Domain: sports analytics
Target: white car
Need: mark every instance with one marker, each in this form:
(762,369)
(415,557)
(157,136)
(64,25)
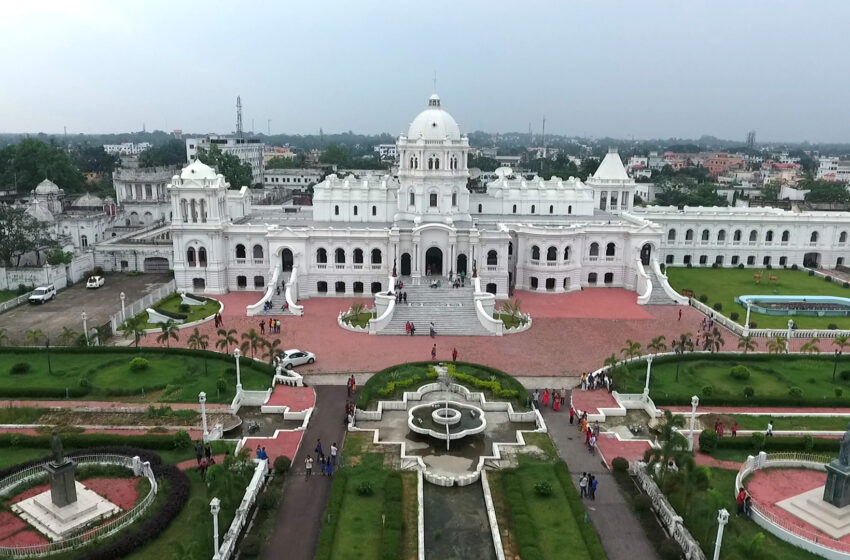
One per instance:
(290,358)
(42,294)
(95,282)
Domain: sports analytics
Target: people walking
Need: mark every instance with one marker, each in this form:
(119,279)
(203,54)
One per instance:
(582,485)
(594,482)
(535,400)
(572,414)
(263,327)
(434,352)
(334,451)
(308,466)
(454,354)
(319,453)
(769,429)
(199,452)
(680,314)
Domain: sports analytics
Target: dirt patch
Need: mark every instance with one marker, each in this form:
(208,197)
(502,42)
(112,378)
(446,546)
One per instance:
(709,421)
(71,419)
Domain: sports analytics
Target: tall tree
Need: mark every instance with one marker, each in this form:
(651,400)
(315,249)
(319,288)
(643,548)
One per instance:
(134,327)
(26,164)
(20,233)
(168,331)
(198,341)
(252,341)
(172,152)
(235,171)
(657,345)
(226,338)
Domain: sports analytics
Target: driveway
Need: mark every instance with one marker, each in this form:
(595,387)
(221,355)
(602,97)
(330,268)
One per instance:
(65,309)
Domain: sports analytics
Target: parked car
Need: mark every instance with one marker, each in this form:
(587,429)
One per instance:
(290,358)
(42,294)
(95,282)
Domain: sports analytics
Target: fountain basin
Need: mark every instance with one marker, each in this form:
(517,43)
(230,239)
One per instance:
(444,420)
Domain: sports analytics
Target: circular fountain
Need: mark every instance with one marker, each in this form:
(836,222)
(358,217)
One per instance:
(446,420)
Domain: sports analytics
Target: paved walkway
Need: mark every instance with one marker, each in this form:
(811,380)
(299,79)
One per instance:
(758,410)
(301,515)
(297,399)
(619,530)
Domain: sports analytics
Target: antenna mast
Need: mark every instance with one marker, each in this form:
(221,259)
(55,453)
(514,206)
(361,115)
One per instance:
(238,116)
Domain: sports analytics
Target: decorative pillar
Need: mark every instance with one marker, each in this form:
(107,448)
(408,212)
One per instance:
(85,319)
(747,322)
(236,354)
(722,520)
(694,404)
(788,337)
(123,296)
(215,506)
(648,370)
(202,398)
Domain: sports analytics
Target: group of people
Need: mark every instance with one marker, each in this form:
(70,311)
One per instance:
(203,453)
(274,326)
(269,306)
(587,484)
(261,454)
(401,297)
(349,413)
(351,385)
(326,462)
(720,429)
(218,320)
(600,380)
(409,328)
(745,503)
(556,399)
(591,433)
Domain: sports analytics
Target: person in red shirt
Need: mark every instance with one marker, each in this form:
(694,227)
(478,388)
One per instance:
(735,429)
(742,495)
(454,354)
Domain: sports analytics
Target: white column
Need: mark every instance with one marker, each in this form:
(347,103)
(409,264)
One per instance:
(722,520)
(747,322)
(123,311)
(202,398)
(215,506)
(648,370)
(788,337)
(694,404)
(236,354)
(85,318)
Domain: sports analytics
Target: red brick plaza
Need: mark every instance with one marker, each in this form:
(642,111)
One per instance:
(571,333)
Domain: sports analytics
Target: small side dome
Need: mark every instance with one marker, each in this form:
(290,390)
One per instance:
(47,187)
(88,200)
(197,171)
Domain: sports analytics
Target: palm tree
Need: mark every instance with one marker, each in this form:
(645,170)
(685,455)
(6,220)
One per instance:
(356,310)
(631,350)
(685,343)
(511,308)
(657,345)
(746,343)
(611,361)
(69,336)
(692,479)
(842,341)
(714,341)
(252,341)
(34,335)
(672,445)
(776,345)
(103,333)
(4,338)
(227,338)
(135,327)
(168,331)
(198,341)
(270,349)
(811,347)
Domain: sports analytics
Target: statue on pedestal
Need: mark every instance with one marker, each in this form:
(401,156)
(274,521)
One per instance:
(475,268)
(844,452)
(57,448)
(837,489)
(394,269)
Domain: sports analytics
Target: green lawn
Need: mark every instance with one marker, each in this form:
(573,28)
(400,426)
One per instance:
(172,376)
(6,295)
(723,285)
(739,537)
(805,423)
(545,526)
(171,303)
(14,455)
(771,377)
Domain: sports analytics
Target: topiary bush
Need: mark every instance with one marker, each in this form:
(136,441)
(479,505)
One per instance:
(181,439)
(808,442)
(749,392)
(282,464)
(139,364)
(703,298)
(543,488)
(707,391)
(845,285)
(365,488)
(839,391)
(619,464)
(741,266)
(740,372)
(844,375)
(690,265)
(794,266)
(832,327)
(183,307)
(708,441)
(753,325)
(811,273)
(795,392)
(828,278)
(734,315)
(718,306)
(21,368)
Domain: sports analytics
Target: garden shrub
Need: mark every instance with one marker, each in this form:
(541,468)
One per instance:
(749,392)
(718,306)
(221,385)
(828,446)
(839,391)
(703,298)
(670,549)
(741,266)
(844,375)
(83,383)
(707,391)
(282,464)
(795,392)
(139,364)
(690,265)
(708,441)
(734,315)
(757,440)
(770,267)
(832,327)
(20,368)
(619,464)
(183,307)
(181,439)
(845,285)
(808,442)
(642,503)
(365,488)
(811,273)
(753,325)
(794,266)
(828,278)
(740,372)
(715,265)
(543,488)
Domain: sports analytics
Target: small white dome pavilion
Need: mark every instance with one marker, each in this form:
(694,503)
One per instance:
(434,123)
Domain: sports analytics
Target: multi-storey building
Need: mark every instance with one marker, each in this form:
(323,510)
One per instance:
(142,194)
(248,150)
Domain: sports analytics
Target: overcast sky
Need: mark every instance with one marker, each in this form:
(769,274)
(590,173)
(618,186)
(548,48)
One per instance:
(646,69)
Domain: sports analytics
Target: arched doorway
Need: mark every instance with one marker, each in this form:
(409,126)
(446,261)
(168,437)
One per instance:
(434,261)
(405,264)
(645,254)
(287,260)
(811,260)
(461,263)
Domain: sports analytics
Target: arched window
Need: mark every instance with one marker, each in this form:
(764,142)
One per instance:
(609,278)
(754,235)
(430,163)
(339,287)
(552,254)
(551,209)
(202,257)
(721,235)
(454,199)
(190,256)
(411,163)
(339,256)
(705,234)
(842,237)
(689,235)
(492,258)
(358,256)
(355,210)
(336,210)
(374,210)
(671,235)
(768,237)
(259,281)
(570,209)
(591,278)
(322,256)
(510,248)
(532,209)
(411,200)
(737,235)
(194,208)
(812,239)
(358,287)
(258,252)
(610,250)
(376,256)
(321,287)
(480,208)
(566,253)
(184,209)
(240,251)
(514,210)
(594,249)
(535,253)
(432,200)
(84,241)
(436,163)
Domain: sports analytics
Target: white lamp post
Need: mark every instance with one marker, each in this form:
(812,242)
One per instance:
(648,370)
(694,404)
(788,337)
(236,354)
(215,506)
(202,398)
(747,322)
(123,312)
(722,520)
(85,326)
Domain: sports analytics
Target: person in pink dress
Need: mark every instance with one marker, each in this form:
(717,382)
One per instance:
(545,397)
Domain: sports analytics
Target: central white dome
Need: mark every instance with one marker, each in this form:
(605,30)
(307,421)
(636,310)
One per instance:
(198,171)
(433,123)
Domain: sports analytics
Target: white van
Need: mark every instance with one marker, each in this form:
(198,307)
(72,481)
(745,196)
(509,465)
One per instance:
(42,294)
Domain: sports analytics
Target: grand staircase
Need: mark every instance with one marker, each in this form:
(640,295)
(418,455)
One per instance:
(451,309)
(658,296)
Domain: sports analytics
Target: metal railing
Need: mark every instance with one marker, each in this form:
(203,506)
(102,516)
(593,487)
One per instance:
(9,304)
(136,307)
(242,515)
(108,528)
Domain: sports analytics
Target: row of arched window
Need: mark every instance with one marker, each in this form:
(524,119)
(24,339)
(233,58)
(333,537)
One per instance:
(356,210)
(257,252)
(432,200)
(196,257)
(552,252)
(533,209)
(434,162)
(339,287)
(737,236)
(340,256)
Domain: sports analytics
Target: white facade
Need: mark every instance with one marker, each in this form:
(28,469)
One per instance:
(291,178)
(248,150)
(142,194)
(833,169)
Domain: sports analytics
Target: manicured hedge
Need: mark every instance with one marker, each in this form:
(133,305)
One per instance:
(87,441)
(331,517)
(525,532)
(828,446)
(754,401)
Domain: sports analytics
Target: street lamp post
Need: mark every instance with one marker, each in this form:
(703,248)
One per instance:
(85,319)
(694,405)
(788,337)
(47,349)
(722,520)
(236,354)
(202,398)
(747,322)
(123,296)
(215,506)
(835,364)
(648,370)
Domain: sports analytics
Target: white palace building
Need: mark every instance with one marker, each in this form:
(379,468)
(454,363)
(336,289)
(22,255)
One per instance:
(559,235)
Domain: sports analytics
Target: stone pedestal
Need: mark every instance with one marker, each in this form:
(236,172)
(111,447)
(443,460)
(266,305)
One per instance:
(62,522)
(63,490)
(837,489)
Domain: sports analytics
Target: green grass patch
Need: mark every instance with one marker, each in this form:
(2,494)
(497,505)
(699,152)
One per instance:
(803,423)
(20,415)
(173,375)
(542,441)
(723,285)
(359,320)
(6,295)
(172,304)
(772,378)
